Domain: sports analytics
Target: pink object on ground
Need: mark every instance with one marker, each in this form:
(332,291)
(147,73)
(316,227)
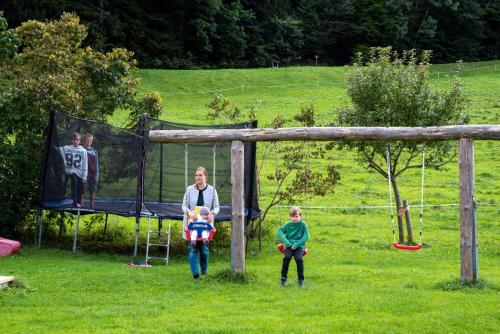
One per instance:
(9,247)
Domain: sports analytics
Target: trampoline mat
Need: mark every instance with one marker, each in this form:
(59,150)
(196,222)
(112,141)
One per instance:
(173,210)
(127,208)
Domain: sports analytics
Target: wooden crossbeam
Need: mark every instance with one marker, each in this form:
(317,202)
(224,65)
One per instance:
(433,133)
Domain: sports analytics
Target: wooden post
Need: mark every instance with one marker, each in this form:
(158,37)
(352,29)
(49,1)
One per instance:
(237,205)
(409,229)
(468,271)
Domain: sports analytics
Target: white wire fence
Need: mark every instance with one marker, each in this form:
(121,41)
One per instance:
(377,207)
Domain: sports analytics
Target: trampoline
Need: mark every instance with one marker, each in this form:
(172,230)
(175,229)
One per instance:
(134,177)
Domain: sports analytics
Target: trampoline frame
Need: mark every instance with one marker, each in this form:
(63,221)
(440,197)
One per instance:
(141,206)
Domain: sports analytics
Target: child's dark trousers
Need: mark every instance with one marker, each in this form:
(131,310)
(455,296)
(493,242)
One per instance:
(297,255)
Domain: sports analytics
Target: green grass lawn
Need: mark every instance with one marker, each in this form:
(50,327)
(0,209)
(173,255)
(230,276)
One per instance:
(355,282)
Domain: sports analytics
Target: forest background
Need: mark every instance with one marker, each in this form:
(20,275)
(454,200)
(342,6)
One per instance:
(249,33)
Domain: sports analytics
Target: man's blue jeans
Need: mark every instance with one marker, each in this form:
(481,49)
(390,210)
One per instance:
(198,252)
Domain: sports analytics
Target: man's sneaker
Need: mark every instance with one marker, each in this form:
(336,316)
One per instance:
(301,283)
(283,281)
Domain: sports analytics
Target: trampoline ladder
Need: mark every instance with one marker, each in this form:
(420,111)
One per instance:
(161,242)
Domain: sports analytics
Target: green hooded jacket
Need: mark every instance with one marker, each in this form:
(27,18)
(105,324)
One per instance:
(294,234)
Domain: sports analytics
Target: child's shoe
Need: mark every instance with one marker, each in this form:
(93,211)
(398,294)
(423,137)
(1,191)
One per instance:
(301,283)
(283,281)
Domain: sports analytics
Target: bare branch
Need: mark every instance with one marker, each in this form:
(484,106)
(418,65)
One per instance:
(373,164)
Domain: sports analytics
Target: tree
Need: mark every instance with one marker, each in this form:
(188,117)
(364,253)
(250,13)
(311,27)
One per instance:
(295,179)
(380,23)
(8,40)
(8,45)
(53,71)
(390,89)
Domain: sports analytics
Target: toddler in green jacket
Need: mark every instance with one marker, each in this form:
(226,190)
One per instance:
(293,235)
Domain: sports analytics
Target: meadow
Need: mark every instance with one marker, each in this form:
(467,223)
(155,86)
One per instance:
(355,281)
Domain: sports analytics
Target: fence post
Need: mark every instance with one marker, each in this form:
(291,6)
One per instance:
(468,267)
(237,205)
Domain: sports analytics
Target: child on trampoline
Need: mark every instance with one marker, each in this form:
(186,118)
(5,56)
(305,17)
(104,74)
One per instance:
(293,235)
(93,168)
(199,226)
(75,166)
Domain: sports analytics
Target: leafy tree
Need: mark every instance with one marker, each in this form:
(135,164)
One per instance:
(380,23)
(53,71)
(8,46)
(460,30)
(315,29)
(296,180)
(150,105)
(390,89)
(8,40)
(197,33)
(492,21)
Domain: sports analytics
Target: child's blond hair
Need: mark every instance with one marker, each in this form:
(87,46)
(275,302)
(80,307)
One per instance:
(295,210)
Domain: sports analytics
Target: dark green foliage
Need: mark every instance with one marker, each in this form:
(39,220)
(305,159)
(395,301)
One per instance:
(227,275)
(389,89)
(8,40)
(458,285)
(250,33)
(53,71)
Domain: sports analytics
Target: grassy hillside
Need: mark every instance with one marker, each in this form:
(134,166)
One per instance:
(355,282)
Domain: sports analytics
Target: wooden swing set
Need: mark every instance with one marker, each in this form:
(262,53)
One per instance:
(465,134)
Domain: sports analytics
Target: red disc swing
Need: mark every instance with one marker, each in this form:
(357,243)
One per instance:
(281,248)
(403,210)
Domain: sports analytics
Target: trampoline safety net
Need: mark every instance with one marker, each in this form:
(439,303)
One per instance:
(96,167)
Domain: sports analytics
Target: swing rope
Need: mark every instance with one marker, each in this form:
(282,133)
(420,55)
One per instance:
(422,196)
(308,173)
(186,151)
(281,247)
(186,162)
(390,192)
(214,150)
(276,171)
(403,210)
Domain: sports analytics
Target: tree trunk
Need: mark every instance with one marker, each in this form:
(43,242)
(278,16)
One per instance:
(409,228)
(398,207)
